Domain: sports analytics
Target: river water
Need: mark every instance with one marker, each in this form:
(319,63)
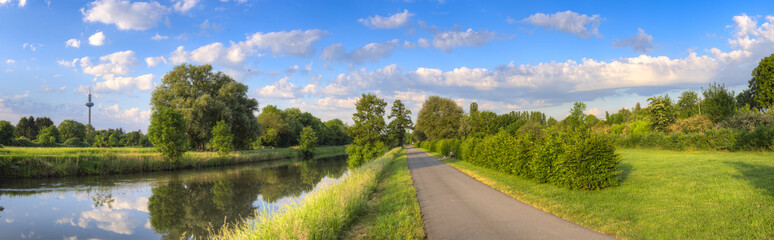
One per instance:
(163,205)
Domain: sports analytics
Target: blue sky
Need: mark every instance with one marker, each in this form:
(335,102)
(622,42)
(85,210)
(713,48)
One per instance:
(320,55)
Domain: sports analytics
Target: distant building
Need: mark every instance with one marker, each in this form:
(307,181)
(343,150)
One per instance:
(89,104)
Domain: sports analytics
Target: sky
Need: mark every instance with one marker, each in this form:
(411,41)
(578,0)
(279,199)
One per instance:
(320,56)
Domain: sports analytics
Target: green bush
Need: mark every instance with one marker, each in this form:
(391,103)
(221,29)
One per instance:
(695,124)
(358,155)
(24,142)
(468,148)
(75,142)
(639,127)
(748,120)
(762,138)
(545,155)
(617,129)
(588,162)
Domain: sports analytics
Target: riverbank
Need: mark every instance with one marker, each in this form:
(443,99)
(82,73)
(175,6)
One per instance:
(57,162)
(326,213)
(661,195)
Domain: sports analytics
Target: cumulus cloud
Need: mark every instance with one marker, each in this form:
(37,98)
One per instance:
(98,39)
(66,63)
(749,44)
(280,89)
(184,5)
(568,21)
(395,21)
(641,43)
(448,40)
(124,14)
(370,52)
(130,115)
(158,37)
(124,84)
(73,43)
(117,63)
(153,61)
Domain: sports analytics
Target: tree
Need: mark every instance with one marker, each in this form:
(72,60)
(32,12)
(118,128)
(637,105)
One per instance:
(205,97)
(48,135)
(307,141)
(222,138)
(43,122)
(91,133)
(167,132)
(688,104)
(6,133)
(72,129)
(367,137)
(577,115)
(439,118)
(400,124)
(280,128)
(718,103)
(337,132)
(26,128)
(762,82)
(662,113)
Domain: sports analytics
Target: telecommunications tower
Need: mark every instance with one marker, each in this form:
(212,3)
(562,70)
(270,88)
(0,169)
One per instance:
(89,104)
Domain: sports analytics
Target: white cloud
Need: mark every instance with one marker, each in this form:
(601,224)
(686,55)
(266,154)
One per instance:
(567,21)
(98,39)
(124,84)
(10,61)
(124,14)
(447,40)
(395,21)
(66,63)
(153,61)
(31,46)
(309,89)
(641,43)
(158,37)
(423,43)
(294,43)
(73,43)
(184,5)
(280,89)
(370,52)
(22,3)
(117,63)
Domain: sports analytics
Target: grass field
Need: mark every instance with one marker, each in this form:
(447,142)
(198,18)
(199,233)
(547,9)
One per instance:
(47,162)
(662,195)
(325,213)
(393,211)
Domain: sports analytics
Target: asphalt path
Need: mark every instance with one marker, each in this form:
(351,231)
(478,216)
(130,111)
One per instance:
(456,206)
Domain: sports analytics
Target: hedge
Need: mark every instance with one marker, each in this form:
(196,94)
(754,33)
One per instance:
(722,139)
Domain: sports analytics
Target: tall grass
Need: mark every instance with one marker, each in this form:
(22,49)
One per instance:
(325,213)
(48,162)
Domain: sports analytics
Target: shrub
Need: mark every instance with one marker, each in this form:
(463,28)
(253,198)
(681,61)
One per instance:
(359,154)
(762,138)
(307,141)
(639,127)
(542,162)
(617,129)
(747,120)
(24,142)
(695,124)
(588,162)
(222,138)
(74,142)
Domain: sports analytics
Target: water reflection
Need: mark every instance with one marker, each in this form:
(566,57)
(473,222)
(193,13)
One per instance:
(162,205)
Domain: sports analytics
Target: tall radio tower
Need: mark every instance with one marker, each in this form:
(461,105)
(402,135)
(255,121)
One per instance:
(89,104)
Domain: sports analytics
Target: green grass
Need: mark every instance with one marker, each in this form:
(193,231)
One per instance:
(661,195)
(47,162)
(325,213)
(393,211)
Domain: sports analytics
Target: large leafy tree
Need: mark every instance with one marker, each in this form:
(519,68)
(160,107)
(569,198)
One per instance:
(72,129)
(439,118)
(662,113)
(718,103)
(307,141)
(400,124)
(688,104)
(337,132)
(762,82)
(6,132)
(26,128)
(280,128)
(167,133)
(367,136)
(206,97)
(48,135)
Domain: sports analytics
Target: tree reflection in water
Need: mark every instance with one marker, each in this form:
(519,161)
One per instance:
(187,206)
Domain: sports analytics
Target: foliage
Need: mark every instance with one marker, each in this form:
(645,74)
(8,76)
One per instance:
(662,113)
(639,127)
(688,104)
(222,138)
(308,141)
(577,115)
(26,128)
(205,97)
(748,120)
(400,124)
(167,132)
(762,82)
(7,132)
(439,118)
(72,129)
(48,136)
(718,103)
(694,124)
(367,137)
(74,142)
(280,128)
(588,162)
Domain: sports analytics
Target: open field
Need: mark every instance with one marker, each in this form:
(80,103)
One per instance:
(661,195)
(325,213)
(46,162)
(393,211)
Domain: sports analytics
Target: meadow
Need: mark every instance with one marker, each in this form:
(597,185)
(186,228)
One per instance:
(661,195)
(50,162)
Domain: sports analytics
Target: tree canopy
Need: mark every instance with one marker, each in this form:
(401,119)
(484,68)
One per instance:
(167,132)
(367,132)
(439,118)
(762,82)
(400,124)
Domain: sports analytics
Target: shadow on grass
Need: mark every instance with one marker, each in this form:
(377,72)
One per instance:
(760,176)
(625,169)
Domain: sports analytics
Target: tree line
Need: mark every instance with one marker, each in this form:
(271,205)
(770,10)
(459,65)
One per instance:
(41,132)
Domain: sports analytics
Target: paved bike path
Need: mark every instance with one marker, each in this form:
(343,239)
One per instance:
(456,206)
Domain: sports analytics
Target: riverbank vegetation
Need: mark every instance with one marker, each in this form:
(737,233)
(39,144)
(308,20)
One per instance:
(50,162)
(662,195)
(326,213)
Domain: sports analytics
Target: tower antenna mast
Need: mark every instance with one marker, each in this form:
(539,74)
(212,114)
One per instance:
(89,104)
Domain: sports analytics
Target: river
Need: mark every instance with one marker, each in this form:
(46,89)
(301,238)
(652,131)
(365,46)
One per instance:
(161,205)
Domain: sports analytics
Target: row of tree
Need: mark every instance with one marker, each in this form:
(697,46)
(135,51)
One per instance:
(31,131)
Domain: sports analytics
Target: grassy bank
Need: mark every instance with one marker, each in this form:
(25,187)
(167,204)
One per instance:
(48,162)
(393,211)
(325,213)
(661,195)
